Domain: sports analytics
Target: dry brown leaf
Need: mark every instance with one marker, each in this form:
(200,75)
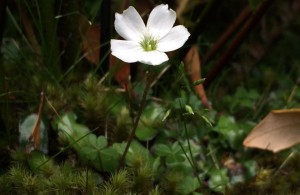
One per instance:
(29,30)
(279,130)
(120,69)
(193,68)
(90,35)
(35,137)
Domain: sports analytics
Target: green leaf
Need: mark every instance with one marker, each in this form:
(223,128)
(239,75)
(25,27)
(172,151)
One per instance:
(174,153)
(92,151)
(198,82)
(145,133)
(25,129)
(73,132)
(166,114)
(156,164)
(176,148)
(163,150)
(88,153)
(119,147)
(230,131)
(92,140)
(101,142)
(206,120)
(175,158)
(110,159)
(189,185)
(218,179)
(137,149)
(150,121)
(36,159)
(189,109)
(242,98)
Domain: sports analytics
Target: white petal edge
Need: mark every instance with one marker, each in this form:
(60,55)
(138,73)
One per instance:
(160,21)
(127,51)
(174,39)
(130,25)
(153,57)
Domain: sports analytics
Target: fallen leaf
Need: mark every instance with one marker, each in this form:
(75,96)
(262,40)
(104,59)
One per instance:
(34,140)
(90,35)
(120,70)
(193,69)
(29,31)
(279,130)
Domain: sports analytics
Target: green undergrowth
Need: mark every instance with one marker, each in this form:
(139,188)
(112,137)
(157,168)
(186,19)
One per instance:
(37,174)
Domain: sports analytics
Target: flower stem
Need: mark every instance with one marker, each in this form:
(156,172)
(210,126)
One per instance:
(192,161)
(136,122)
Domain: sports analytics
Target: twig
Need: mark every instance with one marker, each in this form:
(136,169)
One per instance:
(160,75)
(35,137)
(228,33)
(261,10)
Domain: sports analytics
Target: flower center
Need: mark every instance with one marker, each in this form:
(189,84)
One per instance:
(149,44)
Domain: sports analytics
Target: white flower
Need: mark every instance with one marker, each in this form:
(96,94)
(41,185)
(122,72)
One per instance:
(147,44)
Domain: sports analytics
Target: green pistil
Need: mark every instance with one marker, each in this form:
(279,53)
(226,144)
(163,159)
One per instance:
(149,44)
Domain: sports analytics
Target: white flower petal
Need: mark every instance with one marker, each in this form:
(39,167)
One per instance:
(153,57)
(130,25)
(174,39)
(130,52)
(160,21)
(126,51)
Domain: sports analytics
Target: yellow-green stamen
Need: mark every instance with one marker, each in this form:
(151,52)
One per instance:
(149,44)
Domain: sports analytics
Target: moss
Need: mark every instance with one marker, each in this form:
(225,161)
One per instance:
(121,180)
(171,182)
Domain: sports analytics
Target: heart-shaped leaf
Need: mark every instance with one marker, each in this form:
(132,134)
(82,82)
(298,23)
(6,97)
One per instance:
(88,153)
(174,153)
(73,132)
(101,142)
(148,127)
(109,159)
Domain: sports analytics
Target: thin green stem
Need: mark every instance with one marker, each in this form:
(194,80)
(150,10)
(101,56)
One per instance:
(136,122)
(213,156)
(192,160)
(186,155)
(285,162)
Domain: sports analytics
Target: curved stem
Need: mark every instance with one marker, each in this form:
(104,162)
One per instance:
(136,122)
(192,161)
